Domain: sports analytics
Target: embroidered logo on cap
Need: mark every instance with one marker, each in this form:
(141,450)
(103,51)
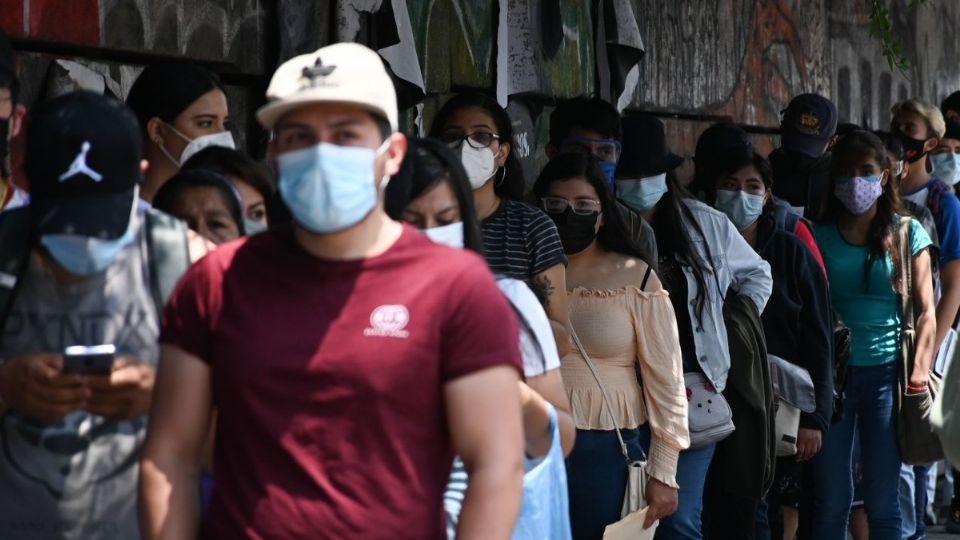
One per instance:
(79,166)
(389,321)
(317,74)
(809,123)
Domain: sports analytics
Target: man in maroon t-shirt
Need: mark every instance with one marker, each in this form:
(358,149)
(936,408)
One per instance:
(348,357)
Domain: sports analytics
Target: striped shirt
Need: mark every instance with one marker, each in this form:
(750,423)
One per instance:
(520,241)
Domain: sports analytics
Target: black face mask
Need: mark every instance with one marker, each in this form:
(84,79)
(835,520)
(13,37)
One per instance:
(577,231)
(912,148)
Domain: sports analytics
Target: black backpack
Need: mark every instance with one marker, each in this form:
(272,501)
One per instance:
(167,248)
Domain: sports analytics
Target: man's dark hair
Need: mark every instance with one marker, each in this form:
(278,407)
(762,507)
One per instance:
(593,114)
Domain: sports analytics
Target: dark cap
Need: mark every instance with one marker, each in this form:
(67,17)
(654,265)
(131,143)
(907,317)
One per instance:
(8,62)
(808,124)
(645,147)
(719,140)
(83,164)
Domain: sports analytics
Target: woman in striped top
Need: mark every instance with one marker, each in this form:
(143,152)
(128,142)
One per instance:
(519,240)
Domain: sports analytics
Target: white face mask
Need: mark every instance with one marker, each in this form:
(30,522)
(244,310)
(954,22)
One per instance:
(223,139)
(480,163)
(448,235)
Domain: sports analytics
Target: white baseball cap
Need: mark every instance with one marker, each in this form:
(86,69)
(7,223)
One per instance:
(340,73)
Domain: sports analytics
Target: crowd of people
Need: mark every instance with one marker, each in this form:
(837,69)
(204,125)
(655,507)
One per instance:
(376,335)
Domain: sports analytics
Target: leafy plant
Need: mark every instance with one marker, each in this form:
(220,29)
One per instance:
(881,28)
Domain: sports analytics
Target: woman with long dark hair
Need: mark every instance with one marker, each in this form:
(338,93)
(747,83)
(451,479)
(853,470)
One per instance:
(519,240)
(797,324)
(859,234)
(701,257)
(432,193)
(624,320)
(182,109)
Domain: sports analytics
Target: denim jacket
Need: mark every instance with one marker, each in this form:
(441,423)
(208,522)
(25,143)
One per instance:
(733,264)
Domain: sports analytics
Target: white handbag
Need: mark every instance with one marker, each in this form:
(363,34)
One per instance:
(795,394)
(635,494)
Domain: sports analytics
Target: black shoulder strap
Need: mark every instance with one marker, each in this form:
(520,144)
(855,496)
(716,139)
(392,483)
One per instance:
(16,238)
(646,277)
(169,252)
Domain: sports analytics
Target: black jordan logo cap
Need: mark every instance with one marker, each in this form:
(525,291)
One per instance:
(83,165)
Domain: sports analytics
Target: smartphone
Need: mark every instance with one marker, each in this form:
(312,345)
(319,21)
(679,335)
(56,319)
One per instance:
(86,360)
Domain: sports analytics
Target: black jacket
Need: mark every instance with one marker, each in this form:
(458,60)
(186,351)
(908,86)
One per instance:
(800,180)
(797,319)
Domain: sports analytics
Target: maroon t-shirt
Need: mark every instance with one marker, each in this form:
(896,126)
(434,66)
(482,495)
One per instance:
(328,380)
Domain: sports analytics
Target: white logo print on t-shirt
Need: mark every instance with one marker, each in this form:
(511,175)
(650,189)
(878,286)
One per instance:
(389,321)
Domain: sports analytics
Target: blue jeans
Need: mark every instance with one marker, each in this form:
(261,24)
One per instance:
(685,523)
(597,478)
(869,412)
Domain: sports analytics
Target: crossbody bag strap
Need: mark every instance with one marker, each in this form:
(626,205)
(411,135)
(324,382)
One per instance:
(603,392)
(906,274)
(906,289)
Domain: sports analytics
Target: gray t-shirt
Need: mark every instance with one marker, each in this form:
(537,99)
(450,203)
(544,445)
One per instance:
(76,479)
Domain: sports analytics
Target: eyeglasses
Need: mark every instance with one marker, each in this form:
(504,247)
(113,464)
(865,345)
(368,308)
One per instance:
(558,205)
(478,140)
(602,149)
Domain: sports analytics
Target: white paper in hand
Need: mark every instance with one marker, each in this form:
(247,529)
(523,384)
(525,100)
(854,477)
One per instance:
(631,528)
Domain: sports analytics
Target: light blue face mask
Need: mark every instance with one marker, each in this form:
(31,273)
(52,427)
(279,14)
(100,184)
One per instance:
(84,255)
(946,167)
(742,208)
(329,188)
(251,227)
(642,195)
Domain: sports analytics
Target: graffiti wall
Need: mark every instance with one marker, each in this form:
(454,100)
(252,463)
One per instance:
(103,44)
(693,62)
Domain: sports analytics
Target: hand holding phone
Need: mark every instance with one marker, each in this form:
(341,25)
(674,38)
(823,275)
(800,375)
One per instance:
(86,360)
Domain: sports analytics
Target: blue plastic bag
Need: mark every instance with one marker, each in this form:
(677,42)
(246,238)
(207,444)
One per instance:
(545,512)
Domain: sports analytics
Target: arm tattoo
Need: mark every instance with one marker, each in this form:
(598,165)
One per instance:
(543,289)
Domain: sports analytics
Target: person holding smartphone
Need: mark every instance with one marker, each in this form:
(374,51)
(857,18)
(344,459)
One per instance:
(80,325)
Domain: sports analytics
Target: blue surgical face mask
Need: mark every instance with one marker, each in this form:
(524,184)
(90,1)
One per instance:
(742,208)
(643,194)
(329,188)
(609,168)
(85,255)
(251,227)
(946,167)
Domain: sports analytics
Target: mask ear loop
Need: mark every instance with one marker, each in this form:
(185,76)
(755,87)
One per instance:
(504,168)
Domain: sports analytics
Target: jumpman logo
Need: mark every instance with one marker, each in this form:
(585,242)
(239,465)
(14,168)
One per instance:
(79,166)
